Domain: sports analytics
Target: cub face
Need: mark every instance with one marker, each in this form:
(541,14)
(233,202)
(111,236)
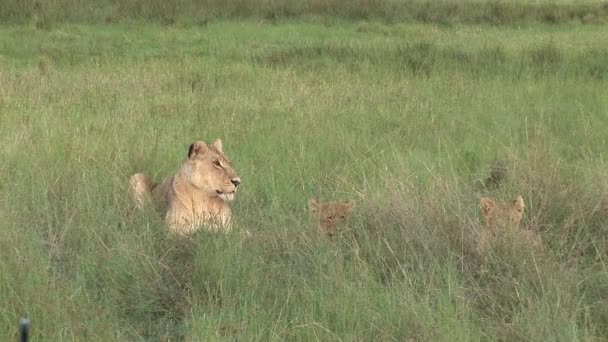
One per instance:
(502,214)
(330,214)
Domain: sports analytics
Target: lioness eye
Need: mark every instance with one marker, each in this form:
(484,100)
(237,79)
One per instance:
(217,163)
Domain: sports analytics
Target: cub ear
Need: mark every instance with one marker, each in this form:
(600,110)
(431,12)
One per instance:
(519,202)
(196,148)
(313,205)
(217,144)
(486,204)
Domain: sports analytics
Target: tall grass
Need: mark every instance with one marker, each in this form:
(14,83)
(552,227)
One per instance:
(404,119)
(46,13)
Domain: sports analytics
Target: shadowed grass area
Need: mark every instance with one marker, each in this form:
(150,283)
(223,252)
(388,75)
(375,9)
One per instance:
(406,120)
(45,14)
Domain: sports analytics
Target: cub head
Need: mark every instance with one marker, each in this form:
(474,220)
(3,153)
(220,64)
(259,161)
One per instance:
(502,213)
(330,214)
(208,169)
(486,205)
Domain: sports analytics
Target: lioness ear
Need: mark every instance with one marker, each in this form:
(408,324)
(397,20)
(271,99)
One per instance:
(313,205)
(197,148)
(217,144)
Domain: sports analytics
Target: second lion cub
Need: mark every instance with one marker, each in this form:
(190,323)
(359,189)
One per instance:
(502,214)
(505,218)
(330,214)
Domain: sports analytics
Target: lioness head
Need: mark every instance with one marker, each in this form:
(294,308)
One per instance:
(502,213)
(207,168)
(330,214)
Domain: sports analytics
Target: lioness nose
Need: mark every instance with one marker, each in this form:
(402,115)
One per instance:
(236,181)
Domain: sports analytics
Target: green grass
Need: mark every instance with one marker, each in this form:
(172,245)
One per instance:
(406,119)
(45,14)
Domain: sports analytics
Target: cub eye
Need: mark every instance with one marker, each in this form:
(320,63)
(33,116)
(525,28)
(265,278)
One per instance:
(217,163)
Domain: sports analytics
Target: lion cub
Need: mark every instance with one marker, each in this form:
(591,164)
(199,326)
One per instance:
(330,214)
(505,215)
(502,214)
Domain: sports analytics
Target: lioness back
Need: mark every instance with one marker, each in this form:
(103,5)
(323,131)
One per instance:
(141,189)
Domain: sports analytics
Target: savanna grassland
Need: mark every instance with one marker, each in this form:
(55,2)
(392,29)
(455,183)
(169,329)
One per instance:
(403,107)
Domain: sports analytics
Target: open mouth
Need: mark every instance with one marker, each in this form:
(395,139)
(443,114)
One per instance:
(226,196)
(220,192)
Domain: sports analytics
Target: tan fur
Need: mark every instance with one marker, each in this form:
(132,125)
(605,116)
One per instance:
(196,195)
(532,239)
(502,214)
(330,214)
(505,218)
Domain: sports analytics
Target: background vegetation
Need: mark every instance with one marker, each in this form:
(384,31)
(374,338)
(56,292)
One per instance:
(46,13)
(356,101)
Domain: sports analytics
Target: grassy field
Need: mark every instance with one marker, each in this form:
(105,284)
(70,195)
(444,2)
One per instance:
(406,119)
(45,14)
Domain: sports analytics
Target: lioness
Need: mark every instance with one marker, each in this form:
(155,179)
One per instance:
(329,215)
(196,195)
